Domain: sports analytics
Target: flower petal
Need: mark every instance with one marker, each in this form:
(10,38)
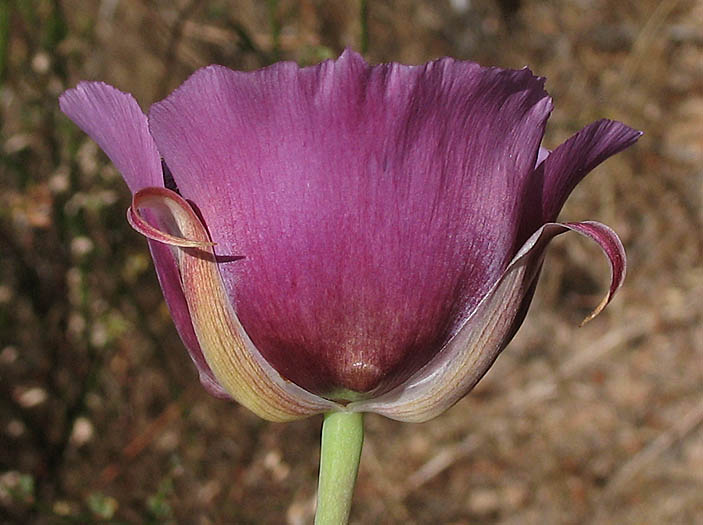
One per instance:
(234,360)
(170,281)
(374,205)
(114,120)
(568,164)
(468,356)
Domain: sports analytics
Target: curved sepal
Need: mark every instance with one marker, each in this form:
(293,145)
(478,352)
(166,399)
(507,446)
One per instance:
(236,363)
(469,354)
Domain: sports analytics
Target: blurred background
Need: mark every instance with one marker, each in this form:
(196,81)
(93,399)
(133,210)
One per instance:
(102,417)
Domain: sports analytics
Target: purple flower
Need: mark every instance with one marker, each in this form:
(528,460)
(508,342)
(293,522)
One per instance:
(348,237)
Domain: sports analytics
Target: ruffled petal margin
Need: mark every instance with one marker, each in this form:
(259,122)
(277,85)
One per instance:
(236,363)
(491,326)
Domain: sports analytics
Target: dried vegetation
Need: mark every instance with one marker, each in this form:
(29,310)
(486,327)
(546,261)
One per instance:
(101,415)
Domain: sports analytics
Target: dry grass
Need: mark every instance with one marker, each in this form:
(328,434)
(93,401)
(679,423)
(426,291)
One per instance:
(101,416)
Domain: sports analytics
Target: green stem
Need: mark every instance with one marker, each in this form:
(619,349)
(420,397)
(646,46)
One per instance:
(342,439)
